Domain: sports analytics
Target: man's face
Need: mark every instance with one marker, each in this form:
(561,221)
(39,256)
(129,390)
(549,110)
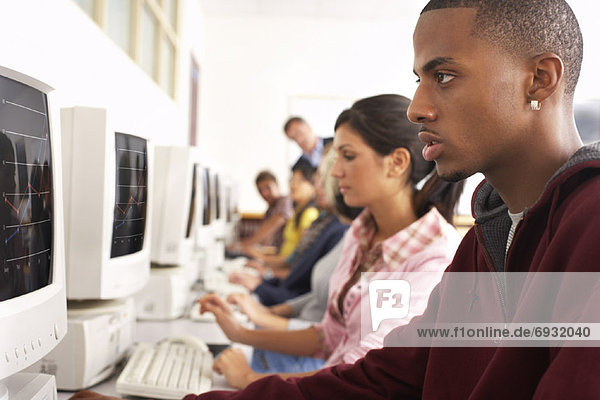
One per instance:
(469,99)
(269,190)
(301,133)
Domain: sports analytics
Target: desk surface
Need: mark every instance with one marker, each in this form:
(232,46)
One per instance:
(147,331)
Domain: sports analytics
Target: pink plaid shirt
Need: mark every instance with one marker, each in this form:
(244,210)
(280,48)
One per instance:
(427,245)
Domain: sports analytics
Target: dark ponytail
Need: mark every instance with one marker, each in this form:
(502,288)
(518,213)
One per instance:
(382,123)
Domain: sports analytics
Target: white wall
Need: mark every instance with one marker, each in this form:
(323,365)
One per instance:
(54,41)
(256,65)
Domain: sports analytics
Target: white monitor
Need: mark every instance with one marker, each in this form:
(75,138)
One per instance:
(218,192)
(107,178)
(33,310)
(232,215)
(204,232)
(176,204)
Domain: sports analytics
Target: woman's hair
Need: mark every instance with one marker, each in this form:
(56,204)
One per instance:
(331,186)
(306,169)
(382,123)
(308,172)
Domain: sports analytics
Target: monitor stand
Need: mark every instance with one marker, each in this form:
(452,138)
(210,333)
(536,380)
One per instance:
(28,386)
(165,296)
(3,392)
(99,334)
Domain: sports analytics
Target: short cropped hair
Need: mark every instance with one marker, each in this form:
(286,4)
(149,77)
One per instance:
(528,27)
(290,121)
(265,176)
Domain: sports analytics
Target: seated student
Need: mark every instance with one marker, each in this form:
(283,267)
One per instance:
(302,192)
(302,311)
(312,146)
(401,230)
(270,232)
(323,235)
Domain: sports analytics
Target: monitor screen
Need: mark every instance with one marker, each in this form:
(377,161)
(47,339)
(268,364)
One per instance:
(130,195)
(26,186)
(228,204)
(190,222)
(206,204)
(217,197)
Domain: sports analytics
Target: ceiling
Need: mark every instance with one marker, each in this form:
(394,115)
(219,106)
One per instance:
(338,9)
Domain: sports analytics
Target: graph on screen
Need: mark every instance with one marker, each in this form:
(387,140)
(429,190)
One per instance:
(26,187)
(131,194)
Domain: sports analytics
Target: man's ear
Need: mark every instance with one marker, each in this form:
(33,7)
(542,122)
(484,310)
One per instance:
(399,162)
(546,76)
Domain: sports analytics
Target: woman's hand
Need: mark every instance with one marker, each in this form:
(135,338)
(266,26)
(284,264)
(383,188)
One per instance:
(224,316)
(89,395)
(246,304)
(233,365)
(248,281)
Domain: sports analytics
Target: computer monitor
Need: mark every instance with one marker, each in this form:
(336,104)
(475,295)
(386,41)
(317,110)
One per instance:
(204,232)
(33,311)
(176,205)
(108,180)
(218,192)
(231,209)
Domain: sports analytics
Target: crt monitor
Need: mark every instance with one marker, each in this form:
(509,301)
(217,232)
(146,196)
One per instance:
(107,194)
(218,193)
(231,209)
(33,313)
(204,232)
(176,205)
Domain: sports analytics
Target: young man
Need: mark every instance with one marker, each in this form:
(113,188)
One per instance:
(279,210)
(495,95)
(312,146)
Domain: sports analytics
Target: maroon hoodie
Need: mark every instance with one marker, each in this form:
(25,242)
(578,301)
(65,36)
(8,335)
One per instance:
(560,233)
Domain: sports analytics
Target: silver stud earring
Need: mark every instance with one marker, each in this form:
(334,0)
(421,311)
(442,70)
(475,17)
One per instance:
(535,105)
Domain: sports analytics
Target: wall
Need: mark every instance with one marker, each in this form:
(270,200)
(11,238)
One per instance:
(255,66)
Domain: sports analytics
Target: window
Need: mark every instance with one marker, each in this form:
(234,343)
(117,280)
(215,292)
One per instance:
(118,23)
(88,6)
(148,30)
(144,29)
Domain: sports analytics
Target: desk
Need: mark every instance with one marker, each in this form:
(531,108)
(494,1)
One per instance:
(147,331)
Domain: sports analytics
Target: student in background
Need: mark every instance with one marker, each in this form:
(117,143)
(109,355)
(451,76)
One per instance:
(326,233)
(312,146)
(302,192)
(280,209)
(401,230)
(304,310)
(319,239)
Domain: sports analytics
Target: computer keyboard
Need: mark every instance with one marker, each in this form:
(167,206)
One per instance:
(169,369)
(238,265)
(218,282)
(234,264)
(210,317)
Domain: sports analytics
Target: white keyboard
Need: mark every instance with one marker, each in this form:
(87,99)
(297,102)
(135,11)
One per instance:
(234,264)
(218,282)
(210,317)
(238,265)
(169,369)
